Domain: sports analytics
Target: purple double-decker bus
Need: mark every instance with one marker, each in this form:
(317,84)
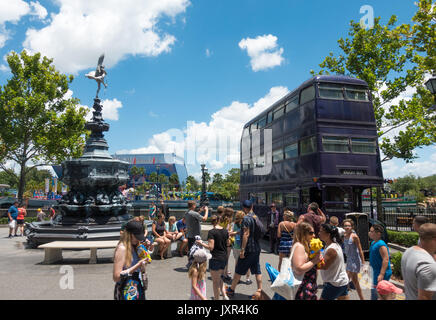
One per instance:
(316,144)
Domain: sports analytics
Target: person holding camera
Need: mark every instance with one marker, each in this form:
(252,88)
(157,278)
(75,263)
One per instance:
(314,216)
(193,220)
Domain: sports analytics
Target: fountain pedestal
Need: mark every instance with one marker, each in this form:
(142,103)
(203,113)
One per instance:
(93,209)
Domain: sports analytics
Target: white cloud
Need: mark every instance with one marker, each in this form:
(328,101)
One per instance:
(395,169)
(82,30)
(109,110)
(13,10)
(38,10)
(208,53)
(263,52)
(215,143)
(10,11)
(4,68)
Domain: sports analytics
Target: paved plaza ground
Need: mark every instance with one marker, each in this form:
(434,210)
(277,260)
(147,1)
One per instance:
(25,277)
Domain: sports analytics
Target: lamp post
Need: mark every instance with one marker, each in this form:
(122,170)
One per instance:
(157,182)
(203,198)
(431,86)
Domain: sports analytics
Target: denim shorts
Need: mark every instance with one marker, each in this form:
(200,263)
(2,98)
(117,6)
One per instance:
(216,265)
(250,262)
(330,292)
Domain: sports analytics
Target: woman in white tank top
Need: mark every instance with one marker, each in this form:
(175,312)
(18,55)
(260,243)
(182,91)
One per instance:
(333,272)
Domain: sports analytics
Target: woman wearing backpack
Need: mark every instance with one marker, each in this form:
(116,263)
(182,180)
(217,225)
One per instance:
(129,270)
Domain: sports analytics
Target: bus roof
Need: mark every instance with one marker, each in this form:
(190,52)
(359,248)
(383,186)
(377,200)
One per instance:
(318,78)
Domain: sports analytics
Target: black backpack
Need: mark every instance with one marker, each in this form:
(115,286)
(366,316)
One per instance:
(259,228)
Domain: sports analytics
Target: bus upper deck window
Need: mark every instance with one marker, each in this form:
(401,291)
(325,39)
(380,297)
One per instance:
(330,91)
(307,94)
(245,132)
(262,123)
(363,145)
(269,117)
(307,145)
(277,155)
(356,93)
(291,104)
(335,144)
(253,127)
(279,112)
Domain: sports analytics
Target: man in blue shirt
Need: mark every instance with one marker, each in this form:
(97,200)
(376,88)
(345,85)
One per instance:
(12,219)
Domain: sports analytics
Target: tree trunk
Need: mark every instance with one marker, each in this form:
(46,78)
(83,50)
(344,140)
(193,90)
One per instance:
(22,182)
(380,215)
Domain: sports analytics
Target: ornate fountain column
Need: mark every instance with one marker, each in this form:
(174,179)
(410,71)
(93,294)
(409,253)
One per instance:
(94,208)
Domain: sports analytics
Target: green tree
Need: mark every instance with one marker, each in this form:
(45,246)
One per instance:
(153,177)
(217,178)
(163,178)
(174,180)
(192,184)
(233,176)
(391,59)
(38,125)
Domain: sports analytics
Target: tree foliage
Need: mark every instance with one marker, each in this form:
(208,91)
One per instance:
(415,186)
(38,125)
(192,184)
(392,58)
(227,187)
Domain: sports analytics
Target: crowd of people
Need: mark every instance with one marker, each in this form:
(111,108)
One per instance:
(339,265)
(16,216)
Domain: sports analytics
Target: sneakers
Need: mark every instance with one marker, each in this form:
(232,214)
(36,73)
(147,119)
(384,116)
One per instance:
(248,281)
(226,278)
(10,236)
(229,292)
(225,298)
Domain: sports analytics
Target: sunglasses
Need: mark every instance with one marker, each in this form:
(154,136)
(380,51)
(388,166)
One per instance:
(311,233)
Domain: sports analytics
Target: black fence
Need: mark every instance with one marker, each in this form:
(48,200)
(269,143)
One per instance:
(401,218)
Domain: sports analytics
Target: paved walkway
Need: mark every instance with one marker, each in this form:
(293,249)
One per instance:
(22,273)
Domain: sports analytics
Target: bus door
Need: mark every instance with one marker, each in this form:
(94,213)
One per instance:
(338,201)
(309,195)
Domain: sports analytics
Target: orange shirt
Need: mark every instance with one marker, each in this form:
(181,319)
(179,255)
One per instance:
(21,213)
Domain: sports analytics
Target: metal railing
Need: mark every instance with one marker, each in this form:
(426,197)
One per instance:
(401,218)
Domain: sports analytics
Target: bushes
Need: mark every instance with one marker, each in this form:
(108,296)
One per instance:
(407,239)
(396,264)
(26,219)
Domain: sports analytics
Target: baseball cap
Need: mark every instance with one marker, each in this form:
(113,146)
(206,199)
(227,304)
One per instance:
(247,204)
(136,228)
(386,287)
(201,256)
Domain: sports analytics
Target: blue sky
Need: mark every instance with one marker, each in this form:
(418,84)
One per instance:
(189,68)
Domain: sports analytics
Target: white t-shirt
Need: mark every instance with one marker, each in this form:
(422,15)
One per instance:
(336,274)
(419,272)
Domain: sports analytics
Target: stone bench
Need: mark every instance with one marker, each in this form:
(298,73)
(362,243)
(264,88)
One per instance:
(171,247)
(205,228)
(53,250)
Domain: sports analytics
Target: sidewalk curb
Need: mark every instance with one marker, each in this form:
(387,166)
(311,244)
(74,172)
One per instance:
(397,247)
(397,284)
(401,249)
